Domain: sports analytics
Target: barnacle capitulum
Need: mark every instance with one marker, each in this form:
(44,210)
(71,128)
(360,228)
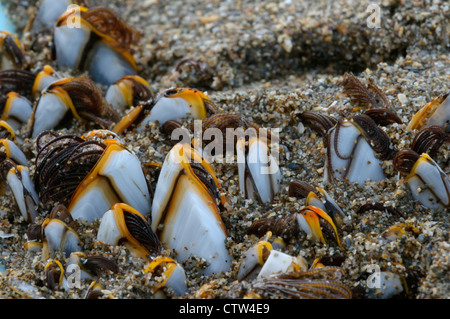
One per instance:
(9,149)
(350,151)
(313,221)
(76,96)
(117,177)
(11,52)
(48,13)
(128,91)
(166,273)
(171,104)
(22,188)
(16,110)
(54,274)
(124,225)
(427,182)
(186,205)
(43,79)
(60,234)
(101,44)
(265,259)
(259,173)
(89,176)
(279,262)
(319,197)
(255,257)
(434,113)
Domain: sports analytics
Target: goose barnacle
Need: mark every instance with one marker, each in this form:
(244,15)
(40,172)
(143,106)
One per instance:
(427,182)
(171,104)
(123,224)
(11,52)
(128,91)
(15,109)
(166,273)
(254,149)
(18,179)
(101,44)
(79,95)
(89,176)
(355,147)
(58,234)
(434,113)
(187,197)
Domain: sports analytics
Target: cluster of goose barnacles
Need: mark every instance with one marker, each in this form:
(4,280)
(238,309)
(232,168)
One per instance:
(96,177)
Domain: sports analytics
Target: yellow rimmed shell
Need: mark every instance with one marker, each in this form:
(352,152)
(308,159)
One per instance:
(434,113)
(79,97)
(171,104)
(429,184)
(22,187)
(43,79)
(124,225)
(310,219)
(166,272)
(97,41)
(128,91)
(11,52)
(16,110)
(185,211)
(117,177)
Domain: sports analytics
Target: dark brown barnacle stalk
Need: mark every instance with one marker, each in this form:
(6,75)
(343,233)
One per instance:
(427,182)
(369,96)
(429,140)
(318,283)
